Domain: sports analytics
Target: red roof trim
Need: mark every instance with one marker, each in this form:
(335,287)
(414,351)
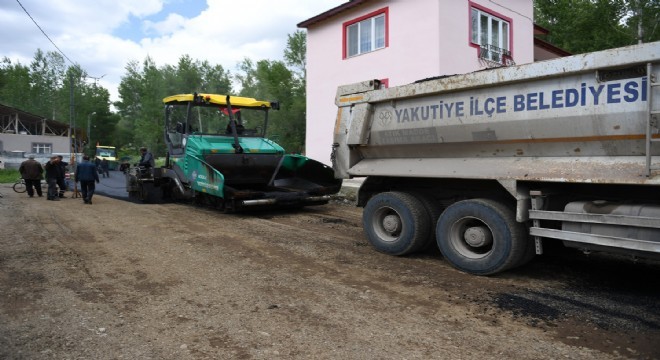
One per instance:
(330,13)
(540,30)
(551,48)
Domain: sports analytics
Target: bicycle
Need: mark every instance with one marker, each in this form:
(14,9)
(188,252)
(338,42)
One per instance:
(20,187)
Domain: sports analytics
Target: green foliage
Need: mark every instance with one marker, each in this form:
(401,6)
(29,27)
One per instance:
(143,88)
(272,80)
(295,54)
(9,176)
(44,88)
(580,26)
(14,84)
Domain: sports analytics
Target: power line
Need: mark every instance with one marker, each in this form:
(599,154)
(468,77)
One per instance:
(512,10)
(43,32)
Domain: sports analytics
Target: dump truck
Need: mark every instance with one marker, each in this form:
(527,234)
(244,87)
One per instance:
(491,165)
(218,155)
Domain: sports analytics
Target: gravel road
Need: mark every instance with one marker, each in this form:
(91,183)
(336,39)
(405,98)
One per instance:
(121,280)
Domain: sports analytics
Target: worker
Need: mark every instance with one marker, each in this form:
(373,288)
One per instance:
(146,159)
(53,171)
(87,175)
(61,176)
(32,172)
(105,166)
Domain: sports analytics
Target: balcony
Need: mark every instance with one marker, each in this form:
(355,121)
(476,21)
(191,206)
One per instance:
(494,56)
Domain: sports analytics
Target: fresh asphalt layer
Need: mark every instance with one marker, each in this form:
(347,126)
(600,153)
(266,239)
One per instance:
(113,186)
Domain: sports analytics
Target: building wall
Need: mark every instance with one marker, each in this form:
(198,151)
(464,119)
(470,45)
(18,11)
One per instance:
(15,148)
(426,38)
(19,142)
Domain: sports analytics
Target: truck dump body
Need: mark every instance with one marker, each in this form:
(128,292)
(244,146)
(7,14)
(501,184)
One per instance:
(577,114)
(537,138)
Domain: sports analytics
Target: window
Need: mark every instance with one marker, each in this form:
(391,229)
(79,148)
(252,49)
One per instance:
(491,34)
(366,34)
(41,148)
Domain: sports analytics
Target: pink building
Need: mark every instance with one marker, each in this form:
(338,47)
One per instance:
(400,42)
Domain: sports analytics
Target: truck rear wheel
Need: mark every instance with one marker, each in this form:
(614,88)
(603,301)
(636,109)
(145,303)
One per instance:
(434,210)
(396,223)
(481,237)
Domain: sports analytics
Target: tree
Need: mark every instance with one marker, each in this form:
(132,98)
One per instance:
(46,77)
(295,53)
(272,80)
(284,82)
(43,89)
(14,84)
(580,26)
(141,93)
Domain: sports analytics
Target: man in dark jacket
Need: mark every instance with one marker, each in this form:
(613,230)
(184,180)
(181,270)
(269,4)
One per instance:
(87,174)
(32,172)
(105,167)
(146,158)
(53,171)
(61,180)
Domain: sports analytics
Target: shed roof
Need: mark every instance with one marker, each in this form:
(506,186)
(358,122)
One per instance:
(31,123)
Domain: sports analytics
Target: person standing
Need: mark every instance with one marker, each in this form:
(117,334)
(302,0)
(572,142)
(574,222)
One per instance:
(105,167)
(61,181)
(97,162)
(53,170)
(87,174)
(32,172)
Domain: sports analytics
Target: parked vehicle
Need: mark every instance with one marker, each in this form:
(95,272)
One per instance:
(108,153)
(490,165)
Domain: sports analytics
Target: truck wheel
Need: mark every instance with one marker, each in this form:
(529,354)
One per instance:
(434,210)
(481,237)
(396,223)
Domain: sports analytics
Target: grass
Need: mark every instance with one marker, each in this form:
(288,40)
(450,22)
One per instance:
(9,176)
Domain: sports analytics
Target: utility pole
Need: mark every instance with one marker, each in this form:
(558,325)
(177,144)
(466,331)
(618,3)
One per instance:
(72,123)
(89,129)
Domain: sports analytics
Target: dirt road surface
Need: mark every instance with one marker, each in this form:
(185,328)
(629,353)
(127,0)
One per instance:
(120,280)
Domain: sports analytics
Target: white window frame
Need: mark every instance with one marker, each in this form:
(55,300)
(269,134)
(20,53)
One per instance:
(503,41)
(373,35)
(42,148)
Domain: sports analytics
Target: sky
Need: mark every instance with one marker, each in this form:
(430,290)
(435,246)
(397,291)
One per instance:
(104,35)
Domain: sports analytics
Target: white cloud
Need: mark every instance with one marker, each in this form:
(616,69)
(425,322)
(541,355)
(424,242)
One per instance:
(173,23)
(224,33)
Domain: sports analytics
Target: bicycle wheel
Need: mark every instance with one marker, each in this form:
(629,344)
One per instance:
(19,186)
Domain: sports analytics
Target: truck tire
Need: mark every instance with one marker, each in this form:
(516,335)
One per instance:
(481,237)
(396,223)
(433,210)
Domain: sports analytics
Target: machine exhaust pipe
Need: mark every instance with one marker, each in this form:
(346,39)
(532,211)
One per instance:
(258,202)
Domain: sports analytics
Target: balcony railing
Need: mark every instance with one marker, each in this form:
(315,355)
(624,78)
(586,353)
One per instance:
(495,56)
